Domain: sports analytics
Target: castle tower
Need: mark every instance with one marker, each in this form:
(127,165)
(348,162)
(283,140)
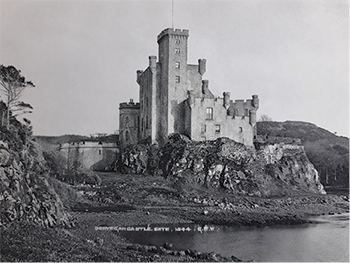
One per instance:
(174,98)
(129,119)
(172,88)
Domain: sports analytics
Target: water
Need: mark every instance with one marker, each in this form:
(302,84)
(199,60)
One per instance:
(327,240)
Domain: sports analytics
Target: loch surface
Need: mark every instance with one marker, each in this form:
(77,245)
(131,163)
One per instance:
(325,240)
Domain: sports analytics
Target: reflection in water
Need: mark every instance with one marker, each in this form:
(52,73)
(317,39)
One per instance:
(326,241)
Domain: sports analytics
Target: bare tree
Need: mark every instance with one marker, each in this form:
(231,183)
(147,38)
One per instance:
(12,84)
(265,117)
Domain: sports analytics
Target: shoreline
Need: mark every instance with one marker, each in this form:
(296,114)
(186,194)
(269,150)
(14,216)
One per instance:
(131,200)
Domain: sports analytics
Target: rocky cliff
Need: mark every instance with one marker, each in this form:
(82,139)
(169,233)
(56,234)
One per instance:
(25,194)
(267,170)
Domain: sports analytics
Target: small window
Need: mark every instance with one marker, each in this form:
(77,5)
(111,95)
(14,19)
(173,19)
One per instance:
(177,41)
(203,128)
(127,137)
(209,113)
(177,64)
(99,152)
(177,79)
(177,51)
(217,128)
(142,124)
(240,129)
(146,122)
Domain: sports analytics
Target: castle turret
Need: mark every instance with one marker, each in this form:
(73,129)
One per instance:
(173,84)
(191,100)
(138,74)
(255,101)
(227,99)
(129,122)
(205,86)
(152,61)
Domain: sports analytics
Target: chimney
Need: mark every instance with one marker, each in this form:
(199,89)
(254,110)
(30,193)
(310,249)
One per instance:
(202,66)
(227,99)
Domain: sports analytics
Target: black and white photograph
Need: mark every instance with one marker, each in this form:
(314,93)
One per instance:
(174,131)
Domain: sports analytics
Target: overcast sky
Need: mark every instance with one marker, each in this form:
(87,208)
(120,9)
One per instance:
(83,56)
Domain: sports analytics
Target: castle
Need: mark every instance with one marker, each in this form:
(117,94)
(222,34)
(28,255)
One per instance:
(175,99)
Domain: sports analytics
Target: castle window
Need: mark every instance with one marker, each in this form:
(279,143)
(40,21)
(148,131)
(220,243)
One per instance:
(177,41)
(203,128)
(240,129)
(146,122)
(99,152)
(142,124)
(127,137)
(177,64)
(209,113)
(177,79)
(177,51)
(217,128)
(126,121)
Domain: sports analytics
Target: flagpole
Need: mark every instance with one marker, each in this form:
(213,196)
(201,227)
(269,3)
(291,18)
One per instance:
(172,13)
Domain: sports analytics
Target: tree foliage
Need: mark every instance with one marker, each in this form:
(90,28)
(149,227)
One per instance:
(265,117)
(12,85)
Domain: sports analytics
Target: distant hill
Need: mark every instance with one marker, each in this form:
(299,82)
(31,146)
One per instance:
(328,152)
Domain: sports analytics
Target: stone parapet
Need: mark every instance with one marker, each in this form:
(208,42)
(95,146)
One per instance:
(171,31)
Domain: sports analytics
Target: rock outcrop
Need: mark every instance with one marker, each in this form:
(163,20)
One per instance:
(267,170)
(25,193)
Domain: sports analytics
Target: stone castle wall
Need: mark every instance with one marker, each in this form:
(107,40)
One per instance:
(174,99)
(80,156)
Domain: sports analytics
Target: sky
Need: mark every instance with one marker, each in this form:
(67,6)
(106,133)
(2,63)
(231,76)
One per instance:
(83,56)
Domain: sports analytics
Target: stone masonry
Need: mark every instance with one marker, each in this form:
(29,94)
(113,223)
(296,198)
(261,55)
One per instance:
(174,98)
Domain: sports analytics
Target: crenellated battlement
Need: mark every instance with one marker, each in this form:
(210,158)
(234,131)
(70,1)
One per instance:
(253,102)
(174,32)
(129,105)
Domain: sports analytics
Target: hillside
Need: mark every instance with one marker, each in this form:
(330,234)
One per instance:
(328,152)
(25,192)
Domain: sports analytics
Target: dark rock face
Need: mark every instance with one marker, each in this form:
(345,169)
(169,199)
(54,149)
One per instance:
(139,159)
(225,164)
(25,193)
